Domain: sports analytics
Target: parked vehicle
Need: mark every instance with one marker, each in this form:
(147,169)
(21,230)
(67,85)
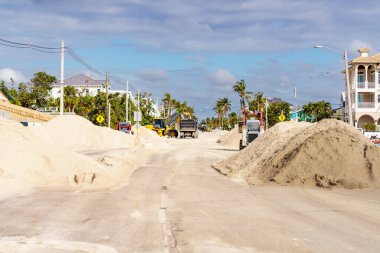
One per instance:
(125,127)
(250,131)
(188,128)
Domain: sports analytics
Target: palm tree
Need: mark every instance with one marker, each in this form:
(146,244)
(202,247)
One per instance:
(309,110)
(218,108)
(226,107)
(167,101)
(258,102)
(239,88)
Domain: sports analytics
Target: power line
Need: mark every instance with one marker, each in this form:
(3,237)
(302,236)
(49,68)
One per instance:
(53,50)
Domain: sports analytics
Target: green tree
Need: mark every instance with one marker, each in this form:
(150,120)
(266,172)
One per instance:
(218,108)
(275,110)
(71,98)
(318,111)
(233,119)
(41,85)
(257,104)
(239,88)
(369,126)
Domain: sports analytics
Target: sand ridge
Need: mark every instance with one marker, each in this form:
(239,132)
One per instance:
(328,154)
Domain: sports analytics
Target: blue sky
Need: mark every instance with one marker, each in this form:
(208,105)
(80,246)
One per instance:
(195,50)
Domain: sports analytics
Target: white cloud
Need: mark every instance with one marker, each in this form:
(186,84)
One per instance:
(223,79)
(6,74)
(355,45)
(152,75)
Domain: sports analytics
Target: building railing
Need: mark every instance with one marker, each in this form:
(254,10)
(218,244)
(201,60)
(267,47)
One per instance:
(371,85)
(361,85)
(366,104)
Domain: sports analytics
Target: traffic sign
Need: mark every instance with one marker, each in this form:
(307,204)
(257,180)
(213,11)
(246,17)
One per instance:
(281,117)
(100,119)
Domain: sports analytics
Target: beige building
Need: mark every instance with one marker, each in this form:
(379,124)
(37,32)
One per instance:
(364,81)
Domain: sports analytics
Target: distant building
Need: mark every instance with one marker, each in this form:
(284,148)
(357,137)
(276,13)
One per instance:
(84,85)
(300,116)
(364,83)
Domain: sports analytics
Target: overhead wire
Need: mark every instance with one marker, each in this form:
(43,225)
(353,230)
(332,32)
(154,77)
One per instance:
(52,50)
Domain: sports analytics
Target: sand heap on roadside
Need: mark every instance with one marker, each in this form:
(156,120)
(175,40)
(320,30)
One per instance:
(77,133)
(231,138)
(144,132)
(33,161)
(325,154)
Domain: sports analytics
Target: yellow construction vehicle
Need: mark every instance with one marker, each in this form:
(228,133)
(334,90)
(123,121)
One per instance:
(162,129)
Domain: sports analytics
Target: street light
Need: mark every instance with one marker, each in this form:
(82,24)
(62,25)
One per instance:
(347,80)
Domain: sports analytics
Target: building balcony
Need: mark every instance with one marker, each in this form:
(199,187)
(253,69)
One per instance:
(371,85)
(360,85)
(366,105)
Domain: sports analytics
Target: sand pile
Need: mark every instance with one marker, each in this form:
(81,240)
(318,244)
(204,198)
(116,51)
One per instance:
(30,160)
(144,132)
(325,154)
(77,133)
(231,138)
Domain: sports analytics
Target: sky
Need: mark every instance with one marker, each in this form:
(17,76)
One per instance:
(195,50)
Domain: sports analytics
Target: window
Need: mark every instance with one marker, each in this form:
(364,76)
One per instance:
(98,91)
(360,77)
(378,98)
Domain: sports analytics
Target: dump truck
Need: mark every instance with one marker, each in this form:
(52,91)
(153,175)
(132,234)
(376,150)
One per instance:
(188,128)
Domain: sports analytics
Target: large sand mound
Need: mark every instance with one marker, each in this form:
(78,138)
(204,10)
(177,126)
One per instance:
(75,132)
(231,138)
(48,154)
(30,160)
(326,154)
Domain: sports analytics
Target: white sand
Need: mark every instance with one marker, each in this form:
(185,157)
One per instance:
(231,138)
(325,154)
(58,154)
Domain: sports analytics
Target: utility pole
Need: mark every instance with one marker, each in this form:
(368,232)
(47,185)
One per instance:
(266,113)
(107,102)
(295,102)
(62,77)
(126,103)
(348,90)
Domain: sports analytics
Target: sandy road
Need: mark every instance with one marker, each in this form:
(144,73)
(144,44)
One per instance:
(177,203)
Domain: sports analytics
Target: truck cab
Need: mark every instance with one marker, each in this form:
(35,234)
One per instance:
(249,132)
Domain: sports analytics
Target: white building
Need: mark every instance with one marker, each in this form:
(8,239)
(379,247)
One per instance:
(84,85)
(364,86)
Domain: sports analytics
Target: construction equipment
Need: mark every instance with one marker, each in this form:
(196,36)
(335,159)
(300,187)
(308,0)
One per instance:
(188,128)
(159,126)
(249,128)
(178,124)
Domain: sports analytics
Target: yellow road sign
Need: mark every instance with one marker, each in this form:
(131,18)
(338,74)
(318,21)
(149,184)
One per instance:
(100,119)
(281,117)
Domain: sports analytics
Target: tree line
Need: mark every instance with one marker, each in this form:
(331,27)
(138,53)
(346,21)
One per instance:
(35,94)
(257,103)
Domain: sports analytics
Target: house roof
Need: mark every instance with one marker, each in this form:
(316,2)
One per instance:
(277,100)
(81,80)
(363,59)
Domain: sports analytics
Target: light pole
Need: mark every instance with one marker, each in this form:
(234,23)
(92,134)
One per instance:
(347,80)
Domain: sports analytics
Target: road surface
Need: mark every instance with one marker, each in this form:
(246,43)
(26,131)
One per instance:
(177,203)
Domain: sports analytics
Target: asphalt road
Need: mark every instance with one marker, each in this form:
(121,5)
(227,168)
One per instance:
(178,203)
